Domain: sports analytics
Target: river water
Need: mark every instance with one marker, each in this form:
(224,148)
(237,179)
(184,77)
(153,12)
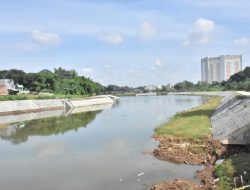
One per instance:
(104,149)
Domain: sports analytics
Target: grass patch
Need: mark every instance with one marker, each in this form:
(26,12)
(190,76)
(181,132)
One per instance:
(193,123)
(39,97)
(232,168)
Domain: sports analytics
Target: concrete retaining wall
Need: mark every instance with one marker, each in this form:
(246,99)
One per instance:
(26,106)
(231,122)
(91,101)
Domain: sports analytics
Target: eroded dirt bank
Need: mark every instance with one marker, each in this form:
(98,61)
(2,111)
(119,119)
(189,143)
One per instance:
(203,152)
(189,151)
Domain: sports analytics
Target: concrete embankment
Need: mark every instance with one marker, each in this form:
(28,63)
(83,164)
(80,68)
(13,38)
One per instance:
(231,121)
(99,100)
(26,106)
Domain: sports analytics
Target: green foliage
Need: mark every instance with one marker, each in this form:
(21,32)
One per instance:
(233,167)
(40,97)
(238,81)
(60,81)
(184,86)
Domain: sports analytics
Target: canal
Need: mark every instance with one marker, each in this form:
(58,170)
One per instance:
(103,149)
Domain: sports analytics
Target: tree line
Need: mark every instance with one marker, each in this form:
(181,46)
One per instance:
(238,81)
(59,81)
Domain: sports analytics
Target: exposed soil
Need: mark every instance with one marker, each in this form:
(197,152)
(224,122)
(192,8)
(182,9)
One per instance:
(193,151)
(176,184)
(189,151)
(207,177)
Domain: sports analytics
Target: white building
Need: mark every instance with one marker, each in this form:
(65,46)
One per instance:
(220,68)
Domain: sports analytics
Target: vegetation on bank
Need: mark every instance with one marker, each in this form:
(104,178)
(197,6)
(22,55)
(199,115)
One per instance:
(231,170)
(60,81)
(40,97)
(193,123)
(238,81)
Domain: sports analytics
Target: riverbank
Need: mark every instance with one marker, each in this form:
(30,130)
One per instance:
(26,106)
(187,139)
(40,97)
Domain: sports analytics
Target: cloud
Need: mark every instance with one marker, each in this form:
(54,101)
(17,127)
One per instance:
(147,31)
(242,41)
(157,64)
(88,72)
(45,37)
(114,39)
(201,33)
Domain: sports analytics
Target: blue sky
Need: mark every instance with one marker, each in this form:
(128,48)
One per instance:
(123,42)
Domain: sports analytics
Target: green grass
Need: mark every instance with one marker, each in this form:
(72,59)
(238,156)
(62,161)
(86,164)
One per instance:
(230,168)
(38,97)
(194,123)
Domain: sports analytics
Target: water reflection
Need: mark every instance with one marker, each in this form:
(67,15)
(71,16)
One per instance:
(18,128)
(112,141)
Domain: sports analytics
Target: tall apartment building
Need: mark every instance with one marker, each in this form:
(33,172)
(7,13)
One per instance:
(220,68)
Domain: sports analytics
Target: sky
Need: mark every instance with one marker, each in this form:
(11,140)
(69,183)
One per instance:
(123,42)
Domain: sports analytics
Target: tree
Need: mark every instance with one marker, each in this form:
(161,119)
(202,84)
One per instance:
(60,81)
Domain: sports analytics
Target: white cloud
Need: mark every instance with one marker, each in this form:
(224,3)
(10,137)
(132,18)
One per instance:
(242,41)
(202,32)
(157,64)
(111,38)
(147,31)
(88,72)
(45,37)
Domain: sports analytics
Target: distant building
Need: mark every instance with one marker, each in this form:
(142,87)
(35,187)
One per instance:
(150,88)
(220,68)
